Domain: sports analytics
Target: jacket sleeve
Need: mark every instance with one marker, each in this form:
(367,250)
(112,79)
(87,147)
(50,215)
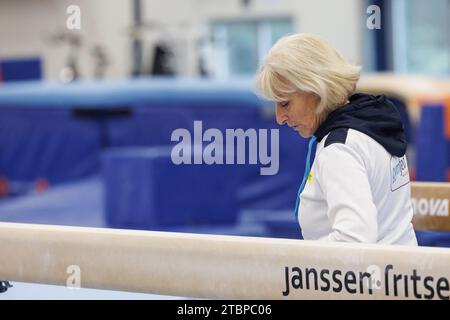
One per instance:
(345,183)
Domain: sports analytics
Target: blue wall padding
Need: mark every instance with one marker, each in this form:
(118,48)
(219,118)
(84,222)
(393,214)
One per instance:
(156,108)
(38,108)
(448,159)
(47,143)
(431,145)
(144,189)
(152,126)
(277,191)
(21,69)
(281,224)
(433,238)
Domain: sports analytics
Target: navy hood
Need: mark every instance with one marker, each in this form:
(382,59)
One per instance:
(375,116)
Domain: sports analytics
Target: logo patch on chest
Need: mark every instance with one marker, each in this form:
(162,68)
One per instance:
(399,172)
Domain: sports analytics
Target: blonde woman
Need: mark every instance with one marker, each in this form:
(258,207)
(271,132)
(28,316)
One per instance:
(357,189)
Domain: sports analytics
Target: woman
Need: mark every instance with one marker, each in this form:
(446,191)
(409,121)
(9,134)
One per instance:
(357,189)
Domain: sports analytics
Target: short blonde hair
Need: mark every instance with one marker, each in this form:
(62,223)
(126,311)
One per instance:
(307,63)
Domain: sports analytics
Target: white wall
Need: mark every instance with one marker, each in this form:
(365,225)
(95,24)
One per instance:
(24,25)
(338,21)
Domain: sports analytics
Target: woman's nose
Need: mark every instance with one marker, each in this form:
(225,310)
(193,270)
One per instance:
(280,115)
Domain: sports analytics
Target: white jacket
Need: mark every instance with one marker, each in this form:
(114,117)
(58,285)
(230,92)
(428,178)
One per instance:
(357,191)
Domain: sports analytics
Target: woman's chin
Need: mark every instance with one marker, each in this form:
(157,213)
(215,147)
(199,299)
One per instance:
(304,134)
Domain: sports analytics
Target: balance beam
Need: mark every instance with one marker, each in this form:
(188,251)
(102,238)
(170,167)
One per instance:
(431,206)
(225,267)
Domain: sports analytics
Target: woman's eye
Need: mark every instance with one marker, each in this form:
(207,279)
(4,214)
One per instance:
(284,104)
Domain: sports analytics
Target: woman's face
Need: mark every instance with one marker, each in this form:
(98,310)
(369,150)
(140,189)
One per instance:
(299,112)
